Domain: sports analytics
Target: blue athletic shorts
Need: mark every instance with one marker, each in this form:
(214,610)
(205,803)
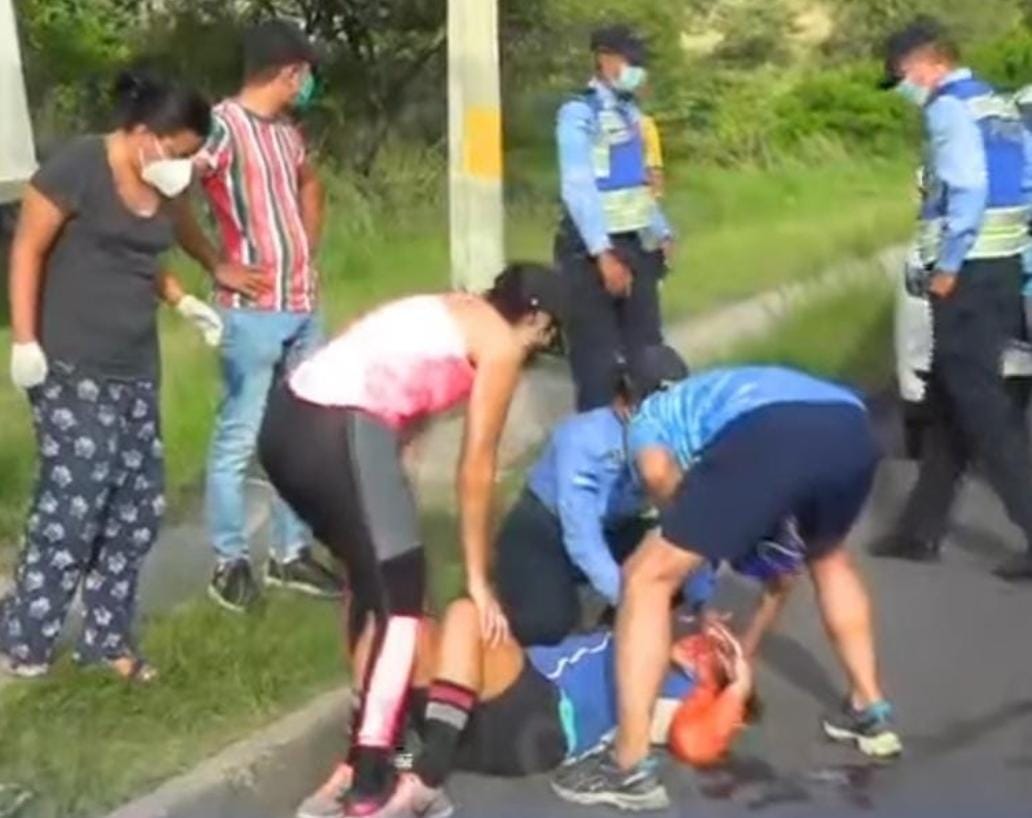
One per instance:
(813,462)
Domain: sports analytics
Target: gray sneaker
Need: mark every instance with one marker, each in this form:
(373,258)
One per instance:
(872,730)
(596,780)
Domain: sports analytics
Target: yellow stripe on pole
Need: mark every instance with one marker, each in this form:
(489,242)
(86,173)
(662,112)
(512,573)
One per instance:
(482,143)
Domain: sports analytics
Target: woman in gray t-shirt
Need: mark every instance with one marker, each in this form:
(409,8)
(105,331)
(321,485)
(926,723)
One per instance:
(86,280)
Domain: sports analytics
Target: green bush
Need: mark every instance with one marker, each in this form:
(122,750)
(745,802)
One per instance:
(845,104)
(1006,62)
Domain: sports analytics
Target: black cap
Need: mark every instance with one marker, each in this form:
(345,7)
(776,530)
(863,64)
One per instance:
(622,40)
(545,290)
(651,369)
(921,31)
(275,44)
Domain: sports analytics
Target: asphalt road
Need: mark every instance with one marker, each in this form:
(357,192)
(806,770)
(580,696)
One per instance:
(955,654)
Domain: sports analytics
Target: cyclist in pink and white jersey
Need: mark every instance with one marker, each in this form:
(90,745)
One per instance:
(331,443)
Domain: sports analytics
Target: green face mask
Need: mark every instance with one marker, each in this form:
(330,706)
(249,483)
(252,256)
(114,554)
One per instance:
(306,93)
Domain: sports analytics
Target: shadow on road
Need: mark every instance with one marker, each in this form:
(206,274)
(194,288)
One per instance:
(987,546)
(797,665)
(966,732)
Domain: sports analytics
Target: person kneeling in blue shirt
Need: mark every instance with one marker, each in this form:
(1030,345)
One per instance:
(584,510)
(581,513)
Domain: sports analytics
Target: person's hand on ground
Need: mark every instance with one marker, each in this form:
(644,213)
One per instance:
(241,278)
(28,365)
(942,285)
(494,626)
(203,317)
(616,277)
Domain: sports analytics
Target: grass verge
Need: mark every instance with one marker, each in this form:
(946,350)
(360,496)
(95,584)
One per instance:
(845,336)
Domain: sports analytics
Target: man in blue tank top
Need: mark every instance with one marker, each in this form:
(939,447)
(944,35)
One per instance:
(974,229)
(727,455)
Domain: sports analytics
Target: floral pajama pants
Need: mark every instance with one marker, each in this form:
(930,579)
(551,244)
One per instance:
(95,515)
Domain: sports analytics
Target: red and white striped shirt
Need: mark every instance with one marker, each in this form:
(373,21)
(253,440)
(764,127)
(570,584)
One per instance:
(250,169)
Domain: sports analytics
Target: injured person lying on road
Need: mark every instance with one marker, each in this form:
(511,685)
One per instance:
(513,711)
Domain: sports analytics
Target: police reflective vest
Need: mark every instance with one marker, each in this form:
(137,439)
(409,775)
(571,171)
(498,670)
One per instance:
(1004,228)
(618,156)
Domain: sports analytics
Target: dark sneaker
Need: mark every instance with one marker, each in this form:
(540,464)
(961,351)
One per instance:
(233,586)
(1015,569)
(596,780)
(306,575)
(906,548)
(871,729)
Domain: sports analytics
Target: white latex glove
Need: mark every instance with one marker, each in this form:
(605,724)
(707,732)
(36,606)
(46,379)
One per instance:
(28,365)
(203,317)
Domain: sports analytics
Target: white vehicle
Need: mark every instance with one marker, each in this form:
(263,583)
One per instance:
(914,344)
(17,156)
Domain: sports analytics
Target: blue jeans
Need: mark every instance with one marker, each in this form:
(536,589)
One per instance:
(253,343)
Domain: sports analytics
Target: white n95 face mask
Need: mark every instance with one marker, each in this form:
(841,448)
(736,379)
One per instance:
(169,177)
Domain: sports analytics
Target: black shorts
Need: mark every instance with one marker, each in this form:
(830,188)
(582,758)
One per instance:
(517,734)
(811,461)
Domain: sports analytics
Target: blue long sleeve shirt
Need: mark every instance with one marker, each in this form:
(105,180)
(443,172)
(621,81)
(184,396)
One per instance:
(576,131)
(584,477)
(957,153)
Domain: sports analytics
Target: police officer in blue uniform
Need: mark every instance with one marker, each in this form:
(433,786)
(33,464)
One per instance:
(974,229)
(582,511)
(613,238)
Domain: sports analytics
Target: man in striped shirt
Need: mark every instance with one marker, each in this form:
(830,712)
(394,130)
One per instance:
(267,203)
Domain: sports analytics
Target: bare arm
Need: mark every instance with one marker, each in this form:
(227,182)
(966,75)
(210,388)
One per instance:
(660,473)
(240,278)
(191,237)
(39,224)
(169,289)
(497,375)
(775,595)
(310,190)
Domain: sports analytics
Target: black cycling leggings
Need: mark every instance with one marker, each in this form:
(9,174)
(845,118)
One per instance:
(340,470)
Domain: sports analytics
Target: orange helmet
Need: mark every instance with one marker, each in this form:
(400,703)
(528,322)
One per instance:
(708,718)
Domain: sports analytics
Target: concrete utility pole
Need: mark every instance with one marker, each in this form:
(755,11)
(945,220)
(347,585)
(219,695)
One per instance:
(17,154)
(475,144)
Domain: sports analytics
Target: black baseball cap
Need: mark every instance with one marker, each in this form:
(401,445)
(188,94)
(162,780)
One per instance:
(620,39)
(545,289)
(651,369)
(920,32)
(275,43)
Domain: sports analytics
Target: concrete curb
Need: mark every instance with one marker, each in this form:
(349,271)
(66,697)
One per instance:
(274,768)
(282,763)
